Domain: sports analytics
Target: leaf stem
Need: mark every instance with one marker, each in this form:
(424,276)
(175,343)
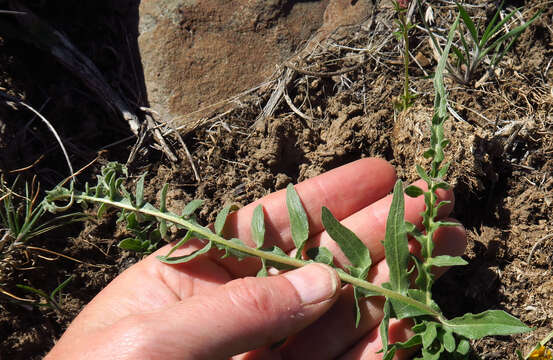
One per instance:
(208,234)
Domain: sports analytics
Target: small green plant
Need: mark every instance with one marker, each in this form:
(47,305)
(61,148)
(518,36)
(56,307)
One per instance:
(402,35)
(475,46)
(22,217)
(48,300)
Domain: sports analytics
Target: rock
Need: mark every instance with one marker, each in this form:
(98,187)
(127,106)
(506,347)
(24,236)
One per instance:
(197,53)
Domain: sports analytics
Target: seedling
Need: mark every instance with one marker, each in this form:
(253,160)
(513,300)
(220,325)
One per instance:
(475,47)
(22,217)
(48,300)
(402,35)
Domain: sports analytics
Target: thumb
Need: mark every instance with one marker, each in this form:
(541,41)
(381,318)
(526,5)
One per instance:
(244,314)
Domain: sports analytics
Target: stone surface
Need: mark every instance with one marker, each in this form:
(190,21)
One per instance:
(197,53)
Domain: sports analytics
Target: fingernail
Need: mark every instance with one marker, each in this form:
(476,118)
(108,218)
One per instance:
(314,283)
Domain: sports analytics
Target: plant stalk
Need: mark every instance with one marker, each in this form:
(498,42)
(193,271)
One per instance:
(405,31)
(208,234)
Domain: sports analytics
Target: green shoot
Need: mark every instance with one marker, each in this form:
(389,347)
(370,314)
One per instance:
(402,35)
(22,217)
(48,300)
(474,47)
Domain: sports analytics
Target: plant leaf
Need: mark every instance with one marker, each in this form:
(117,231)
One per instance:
(263,271)
(183,241)
(140,191)
(221,218)
(413,341)
(354,249)
(163,208)
(424,278)
(469,23)
(491,29)
(258,226)
(299,225)
(413,191)
(136,245)
(487,323)
(440,100)
(384,328)
(60,288)
(463,347)
(191,207)
(422,173)
(357,295)
(163,198)
(515,32)
(231,251)
(446,260)
(429,335)
(186,258)
(395,243)
(403,310)
(448,340)
(321,255)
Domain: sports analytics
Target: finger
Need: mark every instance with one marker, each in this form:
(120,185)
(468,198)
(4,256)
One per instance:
(160,285)
(244,314)
(320,340)
(369,224)
(344,191)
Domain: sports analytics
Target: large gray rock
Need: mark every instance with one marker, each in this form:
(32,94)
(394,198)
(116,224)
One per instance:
(198,52)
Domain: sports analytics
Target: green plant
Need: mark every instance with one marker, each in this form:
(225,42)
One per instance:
(23,218)
(475,47)
(402,35)
(48,300)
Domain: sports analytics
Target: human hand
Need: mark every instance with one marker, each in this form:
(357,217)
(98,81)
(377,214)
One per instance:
(206,309)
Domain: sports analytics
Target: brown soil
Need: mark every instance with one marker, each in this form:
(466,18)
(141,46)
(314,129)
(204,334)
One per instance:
(501,154)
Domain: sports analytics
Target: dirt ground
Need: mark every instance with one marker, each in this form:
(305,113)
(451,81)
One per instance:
(501,153)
